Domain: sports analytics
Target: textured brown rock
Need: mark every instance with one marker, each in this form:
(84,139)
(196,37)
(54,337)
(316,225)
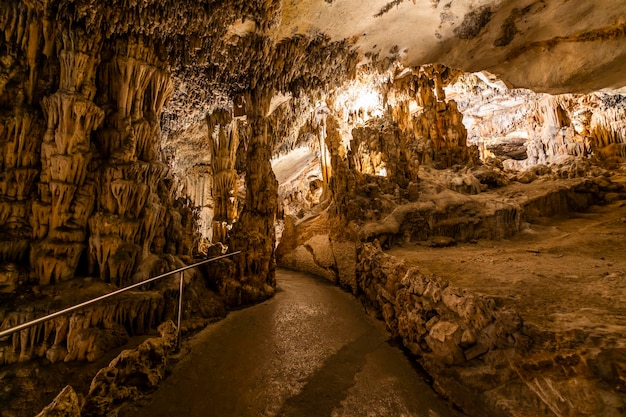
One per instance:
(106,166)
(66,404)
(66,154)
(254,233)
(131,373)
(85,190)
(436,133)
(224,137)
(131,207)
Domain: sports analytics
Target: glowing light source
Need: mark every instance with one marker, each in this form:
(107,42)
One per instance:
(367,100)
(382,172)
(361,98)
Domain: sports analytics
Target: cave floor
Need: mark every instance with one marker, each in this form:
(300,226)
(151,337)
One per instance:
(560,274)
(309,351)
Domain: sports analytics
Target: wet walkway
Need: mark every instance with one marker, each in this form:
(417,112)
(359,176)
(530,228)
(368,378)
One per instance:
(309,351)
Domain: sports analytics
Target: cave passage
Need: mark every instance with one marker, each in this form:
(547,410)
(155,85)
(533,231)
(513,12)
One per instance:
(309,351)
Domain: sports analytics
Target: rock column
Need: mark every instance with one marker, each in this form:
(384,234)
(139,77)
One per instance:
(132,203)
(59,216)
(254,233)
(224,139)
(435,133)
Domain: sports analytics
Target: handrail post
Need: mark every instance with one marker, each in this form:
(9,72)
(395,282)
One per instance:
(180,309)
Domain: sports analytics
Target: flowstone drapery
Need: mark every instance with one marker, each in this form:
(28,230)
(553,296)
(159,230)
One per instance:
(132,210)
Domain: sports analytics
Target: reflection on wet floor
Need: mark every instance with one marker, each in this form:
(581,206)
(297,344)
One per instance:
(309,351)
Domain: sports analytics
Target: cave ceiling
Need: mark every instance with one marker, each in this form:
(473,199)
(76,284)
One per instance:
(217,48)
(551,46)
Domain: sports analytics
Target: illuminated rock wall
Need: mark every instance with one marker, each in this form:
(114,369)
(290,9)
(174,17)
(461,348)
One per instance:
(83,190)
(522,129)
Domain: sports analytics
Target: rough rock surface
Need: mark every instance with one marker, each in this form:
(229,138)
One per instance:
(581,49)
(131,374)
(66,404)
(105,153)
(522,128)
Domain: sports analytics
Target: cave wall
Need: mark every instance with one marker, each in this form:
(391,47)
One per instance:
(521,128)
(90,176)
(85,192)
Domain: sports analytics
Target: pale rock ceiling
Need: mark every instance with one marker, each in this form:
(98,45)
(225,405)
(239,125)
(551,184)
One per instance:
(552,46)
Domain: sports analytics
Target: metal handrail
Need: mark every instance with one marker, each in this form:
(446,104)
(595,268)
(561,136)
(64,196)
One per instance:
(31,323)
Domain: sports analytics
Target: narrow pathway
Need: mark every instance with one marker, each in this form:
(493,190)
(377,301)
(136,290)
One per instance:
(309,351)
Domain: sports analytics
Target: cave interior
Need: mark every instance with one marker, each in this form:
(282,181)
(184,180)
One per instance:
(459,167)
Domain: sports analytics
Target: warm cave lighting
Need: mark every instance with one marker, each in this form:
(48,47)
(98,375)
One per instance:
(369,102)
(382,172)
(362,100)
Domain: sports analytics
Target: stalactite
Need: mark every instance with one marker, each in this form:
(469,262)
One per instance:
(224,140)
(21,133)
(130,181)
(65,155)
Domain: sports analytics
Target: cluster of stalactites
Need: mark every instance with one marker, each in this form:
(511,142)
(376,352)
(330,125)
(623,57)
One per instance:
(433,125)
(224,142)
(132,207)
(65,200)
(25,33)
(608,130)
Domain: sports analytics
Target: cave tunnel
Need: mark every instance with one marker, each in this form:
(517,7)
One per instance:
(426,200)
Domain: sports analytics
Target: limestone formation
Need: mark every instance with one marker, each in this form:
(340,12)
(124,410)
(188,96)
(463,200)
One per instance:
(522,128)
(316,134)
(66,404)
(254,233)
(133,373)
(224,137)
(65,203)
(436,134)
(132,208)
